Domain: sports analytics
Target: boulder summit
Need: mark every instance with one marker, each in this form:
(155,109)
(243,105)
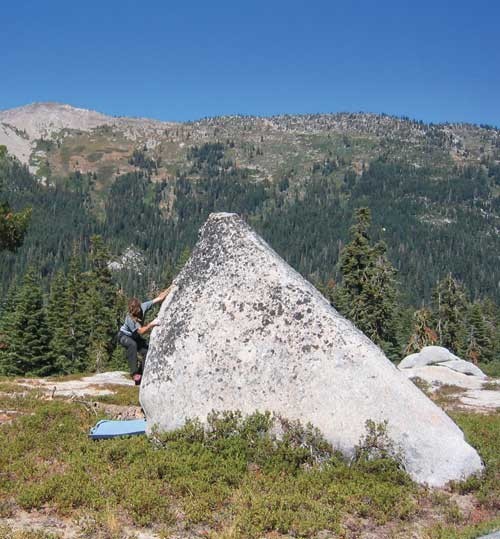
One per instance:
(241,330)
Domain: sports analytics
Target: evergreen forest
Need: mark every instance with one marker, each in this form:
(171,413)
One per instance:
(408,253)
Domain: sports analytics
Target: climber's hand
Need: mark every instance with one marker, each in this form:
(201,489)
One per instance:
(162,295)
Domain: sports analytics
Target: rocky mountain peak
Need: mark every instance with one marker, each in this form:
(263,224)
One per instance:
(39,120)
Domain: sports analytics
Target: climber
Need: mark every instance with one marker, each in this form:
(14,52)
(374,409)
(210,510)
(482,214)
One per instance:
(131,333)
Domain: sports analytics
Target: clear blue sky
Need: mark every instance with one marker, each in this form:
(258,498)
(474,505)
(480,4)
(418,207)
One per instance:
(431,60)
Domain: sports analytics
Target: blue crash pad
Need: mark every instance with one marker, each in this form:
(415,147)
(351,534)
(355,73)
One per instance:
(107,428)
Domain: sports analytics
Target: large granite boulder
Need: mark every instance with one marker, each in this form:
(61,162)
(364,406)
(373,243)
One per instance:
(242,330)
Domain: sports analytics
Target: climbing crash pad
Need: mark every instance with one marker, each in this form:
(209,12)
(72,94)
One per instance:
(107,428)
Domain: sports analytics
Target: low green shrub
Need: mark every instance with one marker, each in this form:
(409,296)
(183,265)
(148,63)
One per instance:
(7,532)
(491,368)
(270,441)
(377,446)
(483,433)
(255,474)
(471,531)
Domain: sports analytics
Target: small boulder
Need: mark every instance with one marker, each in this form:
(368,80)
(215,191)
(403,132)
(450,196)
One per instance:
(429,355)
(413,360)
(465,367)
(438,355)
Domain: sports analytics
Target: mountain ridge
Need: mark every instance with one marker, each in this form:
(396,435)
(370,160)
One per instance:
(32,107)
(434,190)
(56,139)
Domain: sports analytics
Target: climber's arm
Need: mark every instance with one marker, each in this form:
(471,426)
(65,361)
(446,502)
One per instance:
(147,327)
(162,295)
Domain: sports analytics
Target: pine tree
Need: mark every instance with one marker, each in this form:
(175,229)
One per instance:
(70,342)
(356,259)
(120,309)
(368,295)
(98,357)
(450,307)
(181,261)
(480,347)
(28,338)
(55,312)
(491,313)
(473,352)
(118,359)
(422,334)
(381,300)
(100,272)
(6,326)
(168,274)
(330,290)
(99,306)
(13,226)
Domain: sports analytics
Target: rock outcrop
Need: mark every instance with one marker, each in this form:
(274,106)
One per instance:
(438,355)
(438,367)
(242,330)
(21,127)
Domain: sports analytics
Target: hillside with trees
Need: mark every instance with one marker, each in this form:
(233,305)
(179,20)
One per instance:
(419,204)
